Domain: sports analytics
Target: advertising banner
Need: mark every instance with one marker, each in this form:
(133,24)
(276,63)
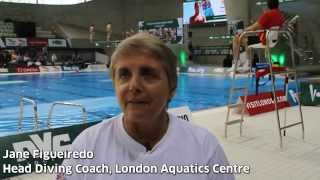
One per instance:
(36,149)
(57,43)
(40,151)
(206,70)
(37,42)
(211,50)
(27,69)
(198,69)
(263,102)
(3,70)
(170,31)
(70,68)
(50,68)
(16,42)
(310,93)
(96,67)
(292,97)
(160,24)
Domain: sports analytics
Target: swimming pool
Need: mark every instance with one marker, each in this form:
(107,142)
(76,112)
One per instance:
(94,91)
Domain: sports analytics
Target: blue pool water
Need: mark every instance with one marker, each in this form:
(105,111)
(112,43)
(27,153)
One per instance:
(95,92)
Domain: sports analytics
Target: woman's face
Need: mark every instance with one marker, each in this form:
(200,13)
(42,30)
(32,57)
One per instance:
(142,87)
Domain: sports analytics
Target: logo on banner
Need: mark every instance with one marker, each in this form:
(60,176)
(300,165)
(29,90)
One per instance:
(70,68)
(310,93)
(201,70)
(182,113)
(47,143)
(293,96)
(314,93)
(57,43)
(22,42)
(27,70)
(263,102)
(41,150)
(37,42)
(50,68)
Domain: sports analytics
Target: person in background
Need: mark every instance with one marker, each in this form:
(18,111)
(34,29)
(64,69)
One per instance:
(173,34)
(7,58)
(2,59)
(132,32)
(54,59)
(45,55)
(227,61)
(207,9)
(26,58)
(39,61)
(197,18)
(108,31)
(190,50)
(126,34)
(91,33)
(144,74)
(13,58)
(270,18)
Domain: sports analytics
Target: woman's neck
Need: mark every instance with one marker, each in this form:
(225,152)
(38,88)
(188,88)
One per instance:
(148,132)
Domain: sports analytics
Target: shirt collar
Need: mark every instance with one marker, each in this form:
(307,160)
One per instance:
(132,145)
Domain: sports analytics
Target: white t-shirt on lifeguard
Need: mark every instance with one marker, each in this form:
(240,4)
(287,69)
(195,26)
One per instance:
(185,149)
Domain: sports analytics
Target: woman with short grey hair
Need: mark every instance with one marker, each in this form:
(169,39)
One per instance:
(145,141)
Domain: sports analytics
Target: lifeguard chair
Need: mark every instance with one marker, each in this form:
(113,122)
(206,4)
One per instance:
(273,36)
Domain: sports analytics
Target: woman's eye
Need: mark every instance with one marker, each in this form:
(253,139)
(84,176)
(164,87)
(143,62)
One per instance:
(123,74)
(149,73)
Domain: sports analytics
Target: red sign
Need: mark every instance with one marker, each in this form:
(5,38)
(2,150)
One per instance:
(38,42)
(27,70)
(263,102)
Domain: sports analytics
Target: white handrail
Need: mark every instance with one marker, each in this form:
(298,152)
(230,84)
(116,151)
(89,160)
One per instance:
(35,111)
(84,113)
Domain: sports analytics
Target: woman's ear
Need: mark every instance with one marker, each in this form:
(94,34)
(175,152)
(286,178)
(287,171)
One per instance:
(172,93)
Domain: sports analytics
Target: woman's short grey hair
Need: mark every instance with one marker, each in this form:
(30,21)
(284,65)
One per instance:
(144,44)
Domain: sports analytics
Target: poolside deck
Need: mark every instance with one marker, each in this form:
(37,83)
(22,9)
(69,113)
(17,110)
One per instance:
(259,146)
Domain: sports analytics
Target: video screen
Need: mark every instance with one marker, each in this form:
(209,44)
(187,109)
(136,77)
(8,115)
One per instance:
(203,11)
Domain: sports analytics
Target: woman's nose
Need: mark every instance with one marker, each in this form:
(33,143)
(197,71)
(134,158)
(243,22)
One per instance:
(135,84)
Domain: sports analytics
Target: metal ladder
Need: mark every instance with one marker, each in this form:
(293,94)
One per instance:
(35,112)
(84,112)
(287,72)
(230,106)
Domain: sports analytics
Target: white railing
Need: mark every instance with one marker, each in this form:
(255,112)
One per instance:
(84,112)
(35,111)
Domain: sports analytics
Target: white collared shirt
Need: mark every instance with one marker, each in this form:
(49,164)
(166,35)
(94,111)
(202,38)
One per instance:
(184,148)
